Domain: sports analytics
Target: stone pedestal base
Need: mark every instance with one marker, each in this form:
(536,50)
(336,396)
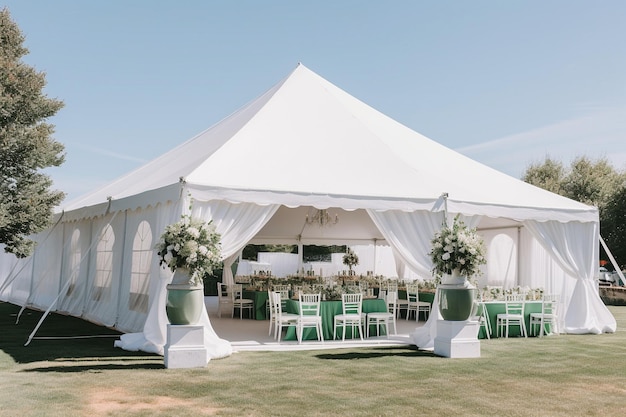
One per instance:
(185,347)
(457,339)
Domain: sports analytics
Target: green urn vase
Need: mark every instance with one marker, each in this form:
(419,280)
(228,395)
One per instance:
(184,301)
(456,303)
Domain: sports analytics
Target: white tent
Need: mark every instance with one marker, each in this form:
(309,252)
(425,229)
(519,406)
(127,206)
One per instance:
(304,145)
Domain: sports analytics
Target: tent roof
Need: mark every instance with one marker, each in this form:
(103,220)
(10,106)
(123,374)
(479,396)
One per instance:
(307,142)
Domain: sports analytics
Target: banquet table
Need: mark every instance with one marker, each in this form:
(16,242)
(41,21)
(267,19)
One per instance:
(328,310)
(497,307)
(260,299)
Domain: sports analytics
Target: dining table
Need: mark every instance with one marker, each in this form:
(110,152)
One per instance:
(498,307)
(260,300)
(328,310)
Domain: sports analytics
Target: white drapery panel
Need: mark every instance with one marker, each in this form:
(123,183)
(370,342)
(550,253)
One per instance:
(409,234)
(237,223)
(574,246)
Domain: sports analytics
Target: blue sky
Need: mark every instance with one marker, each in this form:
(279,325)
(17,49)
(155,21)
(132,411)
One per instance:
(504,82)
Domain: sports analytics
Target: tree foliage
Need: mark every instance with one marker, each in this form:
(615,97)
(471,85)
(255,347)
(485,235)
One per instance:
(26,145)
(548,175)
(593,182)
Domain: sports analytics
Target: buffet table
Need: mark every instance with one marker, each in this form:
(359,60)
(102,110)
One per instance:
(328,310)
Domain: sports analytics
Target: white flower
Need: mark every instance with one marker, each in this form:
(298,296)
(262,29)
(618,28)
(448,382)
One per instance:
(190,244)
(457,248)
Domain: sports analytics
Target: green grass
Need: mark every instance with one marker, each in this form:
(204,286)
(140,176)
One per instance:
(568,375)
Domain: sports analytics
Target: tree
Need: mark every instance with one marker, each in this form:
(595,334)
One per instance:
(592,182)
(595,183)
(26,145)
(548,175)
(614,226)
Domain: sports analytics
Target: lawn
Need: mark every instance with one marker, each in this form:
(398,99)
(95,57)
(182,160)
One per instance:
(568,375)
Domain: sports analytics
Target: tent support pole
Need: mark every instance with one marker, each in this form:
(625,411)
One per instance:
(608,252)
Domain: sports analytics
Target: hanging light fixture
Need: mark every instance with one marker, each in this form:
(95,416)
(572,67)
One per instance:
(322,218)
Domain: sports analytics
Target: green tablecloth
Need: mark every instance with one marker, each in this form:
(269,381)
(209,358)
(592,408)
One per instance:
(422,296)
(328,310)
(497,307)
(260,299)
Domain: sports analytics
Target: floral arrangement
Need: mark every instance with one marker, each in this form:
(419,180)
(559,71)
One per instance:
(191,244)
(457,248)
(350,259)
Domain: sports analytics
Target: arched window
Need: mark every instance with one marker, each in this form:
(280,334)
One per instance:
(104,265)
(502,261)
(140,268)
(74,262)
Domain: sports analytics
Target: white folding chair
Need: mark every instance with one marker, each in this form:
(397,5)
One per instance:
(549,316)
(241,303)
(310,316)
(384,319)
(482,315)
(351,315)
(414,304)
(514,316)
(224,298)
(281,319)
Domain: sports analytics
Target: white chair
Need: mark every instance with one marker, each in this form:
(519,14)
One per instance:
(241,303)
(414,304)
(270,311)
(309,316)
(403,304)
(223,298)
(351,306)
(384,319)
(482,316)
(284,294)
(549,316)
(514,316)
(280,318)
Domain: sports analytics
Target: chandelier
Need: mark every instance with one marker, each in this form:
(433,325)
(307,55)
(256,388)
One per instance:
(322,219)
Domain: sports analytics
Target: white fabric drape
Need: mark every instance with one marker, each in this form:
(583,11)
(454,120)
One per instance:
(574,247)
(237,223)
(409,234)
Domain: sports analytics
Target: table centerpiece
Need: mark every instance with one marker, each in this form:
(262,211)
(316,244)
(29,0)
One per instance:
(350,259)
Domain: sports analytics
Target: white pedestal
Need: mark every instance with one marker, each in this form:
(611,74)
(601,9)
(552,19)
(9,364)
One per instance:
(457,339)
(185,347)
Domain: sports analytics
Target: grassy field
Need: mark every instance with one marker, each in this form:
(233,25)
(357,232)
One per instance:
(568,375)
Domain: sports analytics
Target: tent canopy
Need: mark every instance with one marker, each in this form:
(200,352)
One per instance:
(305,142)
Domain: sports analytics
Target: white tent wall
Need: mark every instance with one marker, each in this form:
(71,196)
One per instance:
(280,264)
(105,263)
(502,256)
(45,271)
(15,278)
(74,267)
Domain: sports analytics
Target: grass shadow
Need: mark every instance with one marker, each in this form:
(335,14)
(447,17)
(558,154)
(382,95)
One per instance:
(64,368)
(393,351)
(57,338)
